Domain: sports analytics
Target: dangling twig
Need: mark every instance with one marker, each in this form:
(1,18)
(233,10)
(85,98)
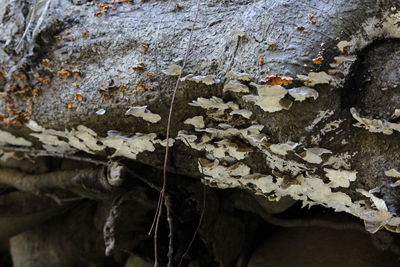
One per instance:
(161,199)
(168,206)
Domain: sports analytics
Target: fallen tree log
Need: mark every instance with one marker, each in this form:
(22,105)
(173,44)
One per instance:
(294,99)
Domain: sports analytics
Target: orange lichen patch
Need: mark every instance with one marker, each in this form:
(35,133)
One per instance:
(43,80)
(19,75)
(139,82)
(150,75)
(106,7)
(14,122)
(25,117)
(139,67)
(70,106)
(23,90)
(15,116)
(261,60)
(149,87)
(301,28)
(122,88)
(3,74)
(8,91)
(36,91)
(277,80)
(17,98)
(22,93)
(99,13)
(140,89)
(311,19)
(85,33)
(25,86)
(144,46)
(64,73)
(319,59)
(47,63)
(78,97)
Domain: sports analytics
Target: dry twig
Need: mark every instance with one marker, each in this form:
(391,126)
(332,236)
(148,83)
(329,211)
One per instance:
(157,216)
(168,206)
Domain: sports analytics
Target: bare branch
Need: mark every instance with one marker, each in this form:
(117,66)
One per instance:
(168,206)
(162,192)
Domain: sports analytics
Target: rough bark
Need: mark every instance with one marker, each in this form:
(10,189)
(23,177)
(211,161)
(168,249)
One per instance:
(299,101)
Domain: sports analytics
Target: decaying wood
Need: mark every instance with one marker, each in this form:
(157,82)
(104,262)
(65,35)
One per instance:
(297,101)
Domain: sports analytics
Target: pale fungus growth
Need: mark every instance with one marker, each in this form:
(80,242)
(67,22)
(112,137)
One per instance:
(374,125)
(314,78)
(302,93)
(393,173)
(8,138)
(144,113)
(34,126)
(313,155)
(208,80)
(343,46)
(236,87)
(342,65)
(85,139)
(197,121)
(130,147)
(339,161)
(239,76)
(242,112)
(214,103)
(340,178)
(396,114)
(269,97)
(283,149)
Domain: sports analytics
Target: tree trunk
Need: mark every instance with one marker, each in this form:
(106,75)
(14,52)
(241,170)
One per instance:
(275,105)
